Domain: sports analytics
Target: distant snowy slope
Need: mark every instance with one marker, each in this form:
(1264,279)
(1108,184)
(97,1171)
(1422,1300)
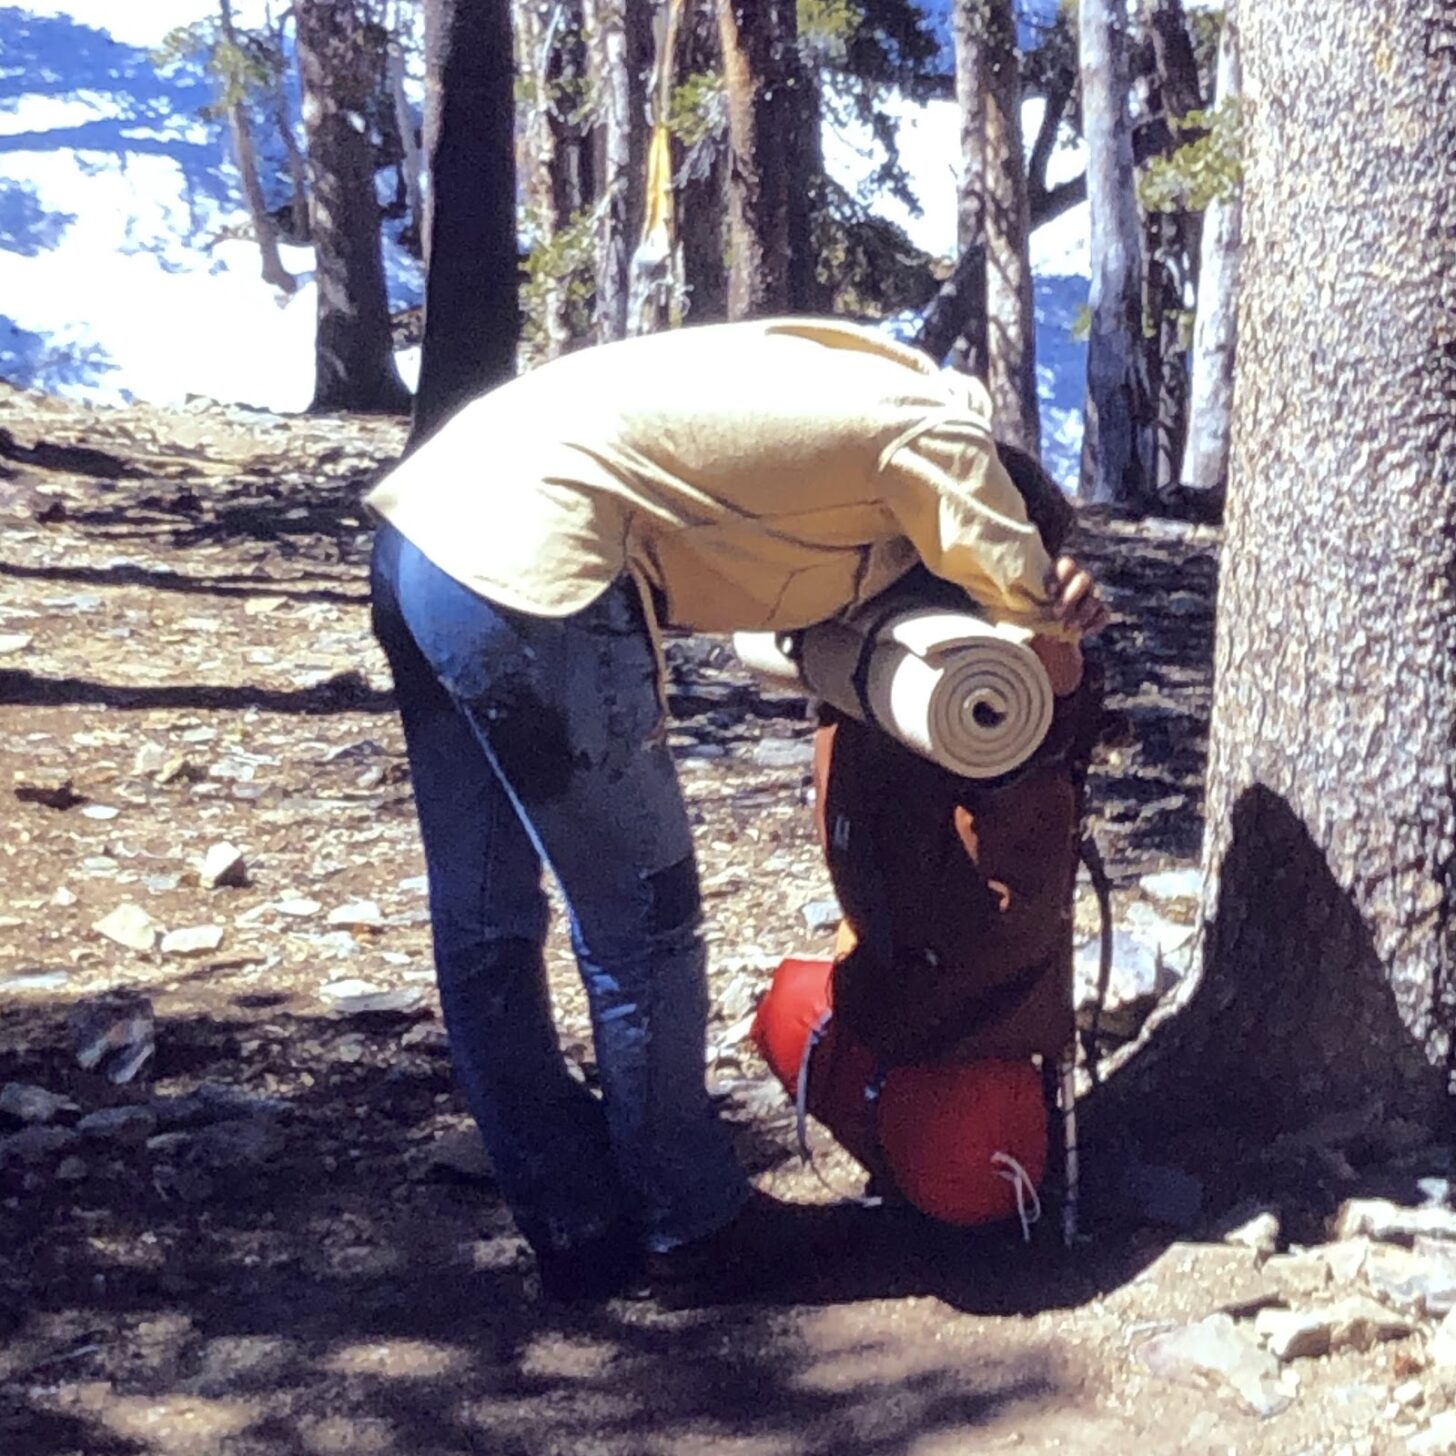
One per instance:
(122,275)
(930,151)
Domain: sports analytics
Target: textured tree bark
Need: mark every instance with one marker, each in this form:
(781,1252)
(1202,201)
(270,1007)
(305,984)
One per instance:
(1011,311)
(971,346)
(472,289)
(621,49)
(1173,90)
(265,231)
(759,61)
(1330,858)
(1211,391)
(1116,449)
(354,351)
(702,173)
(573,171)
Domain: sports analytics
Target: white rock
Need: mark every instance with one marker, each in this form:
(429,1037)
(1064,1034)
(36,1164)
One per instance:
(1356,1323)
(192,940)
(1392,1223)
(223,865)
(31,1104)
(1408,1394)
(63,897)
(357,915)
(1438,1438)
(299,906)
(1184,884)
(131,926)
(1138,977)
(1217,1348)
(1346,1259)
(1167,937)
(148,758)
(1441,1348)
(99,811)
(1261,1233)
(14,642)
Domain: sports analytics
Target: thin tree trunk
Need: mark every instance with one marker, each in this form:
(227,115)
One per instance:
(265,230)
(1116,449)
(1010,308)
(538,31)
(411,161)
(702,185)
(472,288)
(970,350)
(1172,241)
(354,350)
(1210,404)
(758,40)
(1329,906)
(621,45)
(655,288)
(573,173)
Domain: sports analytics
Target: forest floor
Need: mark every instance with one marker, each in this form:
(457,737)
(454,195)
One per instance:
(279,1237)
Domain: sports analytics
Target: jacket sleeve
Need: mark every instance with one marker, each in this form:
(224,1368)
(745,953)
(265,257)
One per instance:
(956,504)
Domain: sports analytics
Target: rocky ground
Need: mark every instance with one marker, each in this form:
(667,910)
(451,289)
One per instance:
(241,1208)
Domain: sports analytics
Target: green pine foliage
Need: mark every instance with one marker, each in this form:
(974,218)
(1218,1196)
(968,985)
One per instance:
(1204,168)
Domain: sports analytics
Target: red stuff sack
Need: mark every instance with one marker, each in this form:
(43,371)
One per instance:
(966,1144)
(951,1136)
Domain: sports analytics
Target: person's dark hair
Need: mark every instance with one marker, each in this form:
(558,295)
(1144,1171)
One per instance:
(1046,504)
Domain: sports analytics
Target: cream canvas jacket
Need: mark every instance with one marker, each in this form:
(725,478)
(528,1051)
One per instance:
(761,475)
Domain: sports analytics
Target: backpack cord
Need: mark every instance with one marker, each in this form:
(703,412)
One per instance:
(801,1114)
(1020,1181)
(1102,887)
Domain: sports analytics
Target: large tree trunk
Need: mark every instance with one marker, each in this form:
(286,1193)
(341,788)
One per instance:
(971,345)
(1330,890)
(472,290)
(621,46)
(1211,393)
(265,230)
(758,38)
(1011,311)
(354,351)
(1116,449)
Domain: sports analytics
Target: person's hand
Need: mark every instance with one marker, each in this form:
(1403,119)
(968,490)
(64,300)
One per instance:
(1076,602)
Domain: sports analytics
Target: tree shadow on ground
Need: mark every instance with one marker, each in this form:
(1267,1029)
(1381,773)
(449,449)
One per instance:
(321,1295)
(1286,1072)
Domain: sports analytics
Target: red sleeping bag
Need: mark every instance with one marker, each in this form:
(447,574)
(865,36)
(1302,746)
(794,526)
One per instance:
(951,1135)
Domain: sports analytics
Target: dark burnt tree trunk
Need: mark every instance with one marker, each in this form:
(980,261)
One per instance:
(354,351)
(472,288)
(1211,387)
(1011,311)
(1330,859)
(1171,241)
(1116,448)
(703,180)
(573,171)
(760,66)
(971,347)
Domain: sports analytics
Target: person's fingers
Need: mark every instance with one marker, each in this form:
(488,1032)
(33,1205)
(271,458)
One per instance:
(1075,589)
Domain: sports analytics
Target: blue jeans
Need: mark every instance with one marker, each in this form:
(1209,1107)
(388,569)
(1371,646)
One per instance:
(538,741)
